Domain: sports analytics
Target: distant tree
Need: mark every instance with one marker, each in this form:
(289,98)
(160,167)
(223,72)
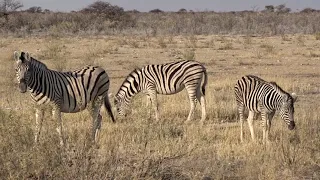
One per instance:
(133,11)
(282,9)
(308,10)
(269,8)
(34,9)
(182,10)
(156,11)
(10,5)
(105,9)
(46,11)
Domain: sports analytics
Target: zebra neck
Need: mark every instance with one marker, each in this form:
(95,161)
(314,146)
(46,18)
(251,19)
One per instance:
(37,81)
(277,102)
(130,94)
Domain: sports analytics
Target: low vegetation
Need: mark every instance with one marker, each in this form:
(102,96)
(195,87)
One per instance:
(229,44)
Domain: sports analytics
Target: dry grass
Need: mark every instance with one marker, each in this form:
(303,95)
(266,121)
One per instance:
(140,148)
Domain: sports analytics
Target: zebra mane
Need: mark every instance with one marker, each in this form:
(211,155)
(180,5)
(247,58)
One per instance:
(38,64)
(278,88)
(136,70)
(256,77)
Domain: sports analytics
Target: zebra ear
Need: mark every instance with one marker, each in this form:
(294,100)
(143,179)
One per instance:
(27,56)
(16,55)
(294,97)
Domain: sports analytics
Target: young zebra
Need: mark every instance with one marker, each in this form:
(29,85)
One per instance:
(67,92)
(166,79)
(263,97)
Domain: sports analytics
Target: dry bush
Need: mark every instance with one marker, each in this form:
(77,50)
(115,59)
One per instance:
(226,46)
(301,40)
(268,48)
(317,36)
(154,24)
(162,42)
(189,54)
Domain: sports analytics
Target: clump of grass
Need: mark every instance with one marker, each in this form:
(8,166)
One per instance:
(133,43)
(191,42)
(268,48)
(226,46)
(171,40)
(52,50)
(209,43)
(162,42)
(301,40)
(247,40)
(259,54)
(122,41)
(3,44)
(317,35)
(55,51)
(313,54)
(284,37)
(189,54)
(60,63)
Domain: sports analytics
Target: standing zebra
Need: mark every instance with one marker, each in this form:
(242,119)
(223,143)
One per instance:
(67,92)
(263,97)
(166,79)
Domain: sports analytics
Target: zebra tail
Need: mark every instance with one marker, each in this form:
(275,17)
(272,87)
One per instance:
(107,105)
(204,82)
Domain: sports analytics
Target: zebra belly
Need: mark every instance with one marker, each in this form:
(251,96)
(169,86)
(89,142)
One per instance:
(73,108)
(168,91)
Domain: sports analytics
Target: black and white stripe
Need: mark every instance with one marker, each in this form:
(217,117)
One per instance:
(67,92)
(165,79)
(260,96)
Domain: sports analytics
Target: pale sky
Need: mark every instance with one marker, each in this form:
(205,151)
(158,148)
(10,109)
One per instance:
(174,5)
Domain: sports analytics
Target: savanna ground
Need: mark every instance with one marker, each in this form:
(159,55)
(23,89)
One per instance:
(139,148)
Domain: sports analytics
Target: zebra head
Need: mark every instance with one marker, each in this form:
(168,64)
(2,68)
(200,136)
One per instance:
(287,109)
(120,105)
(22,69)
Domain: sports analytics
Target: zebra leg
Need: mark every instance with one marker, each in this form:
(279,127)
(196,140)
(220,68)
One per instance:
(98,127)
(56,113)
(240,110)
(193,102)
(265,123)
(39,120)
(202,101)
(153,97)
(270,116)
(147,104)
(250,122)
(96,118)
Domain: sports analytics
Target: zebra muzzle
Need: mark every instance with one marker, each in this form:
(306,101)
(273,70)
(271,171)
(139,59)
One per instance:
(22,86)
(291,125)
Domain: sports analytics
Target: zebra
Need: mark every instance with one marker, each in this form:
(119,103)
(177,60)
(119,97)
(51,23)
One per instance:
(67,92)
(165,79)
(260,96)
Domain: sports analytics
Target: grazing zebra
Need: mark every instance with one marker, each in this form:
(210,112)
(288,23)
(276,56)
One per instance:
(67,92)
(166,79)
(260,96)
